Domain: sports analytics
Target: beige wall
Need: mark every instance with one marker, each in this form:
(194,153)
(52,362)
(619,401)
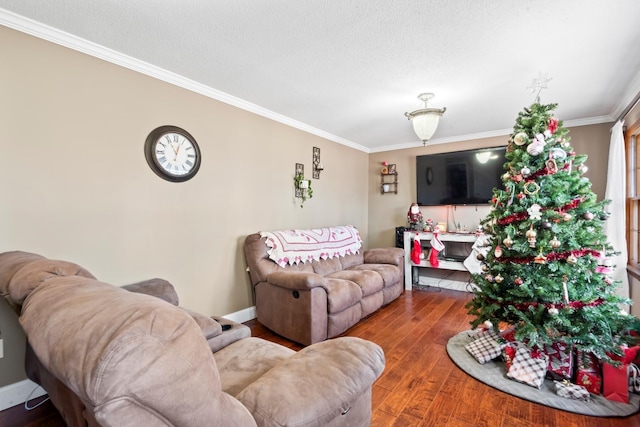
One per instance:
(387,211)
(76,186)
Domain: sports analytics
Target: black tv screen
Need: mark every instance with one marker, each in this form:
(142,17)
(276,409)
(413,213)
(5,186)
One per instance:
(460,177)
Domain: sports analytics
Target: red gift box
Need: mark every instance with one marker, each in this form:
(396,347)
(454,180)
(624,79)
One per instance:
(560,361)
(508,353)
(588,372)
(509,334)
(616,378)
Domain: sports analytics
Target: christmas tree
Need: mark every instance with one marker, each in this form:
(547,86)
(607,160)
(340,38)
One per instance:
(548,264)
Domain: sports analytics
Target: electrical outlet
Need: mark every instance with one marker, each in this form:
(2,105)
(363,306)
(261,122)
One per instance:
(1,348)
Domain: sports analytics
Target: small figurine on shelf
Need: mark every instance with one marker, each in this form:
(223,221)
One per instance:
(429,225)
(414,217)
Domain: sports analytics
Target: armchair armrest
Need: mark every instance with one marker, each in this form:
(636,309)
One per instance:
(323,380)
(384,256)
(158,288)
(296,280)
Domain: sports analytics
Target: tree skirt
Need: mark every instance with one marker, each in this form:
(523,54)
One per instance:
(494,374)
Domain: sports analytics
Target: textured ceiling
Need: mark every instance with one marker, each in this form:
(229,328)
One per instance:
(350,69)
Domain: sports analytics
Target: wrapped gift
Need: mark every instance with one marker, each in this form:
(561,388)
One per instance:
(572,391)
(634,377)
(482,331)
(508,353)
(529,366)
(616,378)
(509,334)
(588,372)
(486,346)
(560,361)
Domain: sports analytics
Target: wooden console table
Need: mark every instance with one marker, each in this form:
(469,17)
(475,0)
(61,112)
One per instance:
(425,237)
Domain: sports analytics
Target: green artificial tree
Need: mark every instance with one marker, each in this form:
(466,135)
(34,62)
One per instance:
(547,268)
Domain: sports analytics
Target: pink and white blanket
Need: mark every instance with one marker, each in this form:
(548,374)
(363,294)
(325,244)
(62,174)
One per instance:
(295,246)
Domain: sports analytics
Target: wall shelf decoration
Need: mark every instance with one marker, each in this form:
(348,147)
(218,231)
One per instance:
(301,185)
(389,183)
(316,163)
(299,174)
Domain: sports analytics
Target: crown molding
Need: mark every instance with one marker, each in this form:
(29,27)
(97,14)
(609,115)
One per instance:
(45,32)
(490,134)
(53,35)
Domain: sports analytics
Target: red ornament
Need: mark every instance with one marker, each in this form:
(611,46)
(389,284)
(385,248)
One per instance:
(552,126)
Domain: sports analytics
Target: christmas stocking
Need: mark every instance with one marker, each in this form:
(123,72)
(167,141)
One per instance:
(436,246)
(417,250)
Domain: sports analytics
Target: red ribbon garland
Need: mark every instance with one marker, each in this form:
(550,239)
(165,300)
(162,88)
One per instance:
(519,216)
(553,256)
(572,304)
(545,171)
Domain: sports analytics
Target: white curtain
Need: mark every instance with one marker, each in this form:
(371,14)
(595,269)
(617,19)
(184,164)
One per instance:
(615,226)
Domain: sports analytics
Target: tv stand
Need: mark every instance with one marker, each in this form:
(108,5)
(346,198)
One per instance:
(448,262)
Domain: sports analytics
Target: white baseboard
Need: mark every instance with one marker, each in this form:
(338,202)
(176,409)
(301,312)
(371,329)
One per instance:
(17,393)
(242,316)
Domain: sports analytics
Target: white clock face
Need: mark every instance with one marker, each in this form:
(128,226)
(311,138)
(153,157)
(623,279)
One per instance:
(175,154)
(172,153)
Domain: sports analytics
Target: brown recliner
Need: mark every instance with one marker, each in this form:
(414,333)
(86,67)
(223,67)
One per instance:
(313,301)
(111,357)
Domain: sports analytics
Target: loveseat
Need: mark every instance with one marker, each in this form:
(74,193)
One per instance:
(311,285)
(114,356)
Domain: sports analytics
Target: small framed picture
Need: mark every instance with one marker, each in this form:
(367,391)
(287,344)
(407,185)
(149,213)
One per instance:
(392,169)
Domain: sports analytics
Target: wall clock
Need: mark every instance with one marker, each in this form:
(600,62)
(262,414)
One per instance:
(172,153)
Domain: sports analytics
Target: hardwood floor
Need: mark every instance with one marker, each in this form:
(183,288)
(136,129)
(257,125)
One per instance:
(420,385)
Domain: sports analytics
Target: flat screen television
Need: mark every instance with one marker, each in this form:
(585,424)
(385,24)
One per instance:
(460,177)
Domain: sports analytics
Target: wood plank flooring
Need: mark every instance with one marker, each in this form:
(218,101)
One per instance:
(420,385)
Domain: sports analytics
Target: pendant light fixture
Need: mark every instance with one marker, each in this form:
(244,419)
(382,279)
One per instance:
(425,120)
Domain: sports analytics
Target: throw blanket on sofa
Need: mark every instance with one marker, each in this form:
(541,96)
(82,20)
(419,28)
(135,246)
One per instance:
(295,246)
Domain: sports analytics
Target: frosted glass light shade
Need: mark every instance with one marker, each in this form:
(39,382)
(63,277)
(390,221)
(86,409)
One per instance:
(425,125)
(425,121)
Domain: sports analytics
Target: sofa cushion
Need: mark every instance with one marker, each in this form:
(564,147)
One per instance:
(342,294)
(339,371)
(351,260)
(390,273)
(244,361)
(369,281)
(326,266)
(35,273)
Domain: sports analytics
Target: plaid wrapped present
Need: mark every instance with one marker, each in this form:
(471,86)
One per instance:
(560,361)
(588,372)
(486,346)
(482,331)
(529,366)
(634,378)
(572,391)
